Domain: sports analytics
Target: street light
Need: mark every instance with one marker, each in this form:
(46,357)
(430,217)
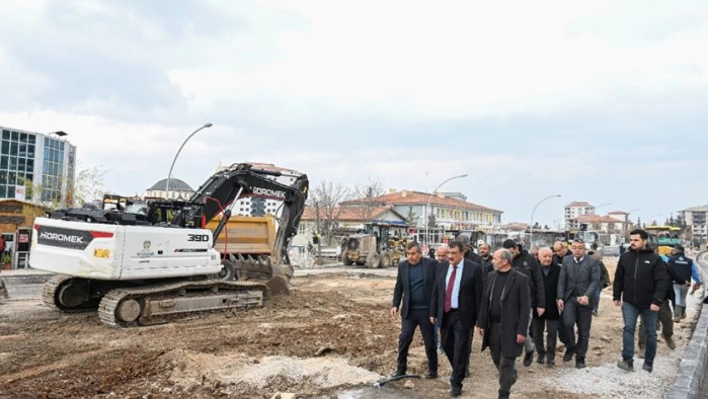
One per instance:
(533,212)
(601,205)
(169,174)
(428,203)
(626,219)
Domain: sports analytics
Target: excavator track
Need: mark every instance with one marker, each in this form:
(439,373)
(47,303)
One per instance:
(50,296)
(164,303)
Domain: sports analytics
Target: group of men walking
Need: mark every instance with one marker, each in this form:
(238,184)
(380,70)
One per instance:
(511,293)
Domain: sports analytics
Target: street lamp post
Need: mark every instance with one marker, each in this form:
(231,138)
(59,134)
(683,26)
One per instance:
(626,220)
(601,205)
(533,212)
(169,174)
(428,204)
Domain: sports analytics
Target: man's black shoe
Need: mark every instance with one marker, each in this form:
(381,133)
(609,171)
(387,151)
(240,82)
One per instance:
(569,353)
(431,375)
(541,358)
(528,359)
(579,364)
(456,391)
(648,367)
(398,373)
(551,363)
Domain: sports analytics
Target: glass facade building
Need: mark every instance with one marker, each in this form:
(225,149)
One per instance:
(36,167)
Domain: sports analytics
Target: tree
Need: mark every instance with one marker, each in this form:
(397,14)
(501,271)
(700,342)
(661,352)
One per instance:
(87,185)
(324,200)
(536,226)
(545,227)
(432,222)
(367,194)
(411,217)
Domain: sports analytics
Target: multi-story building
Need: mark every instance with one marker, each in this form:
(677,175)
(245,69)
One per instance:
(37,167)
(450,213)
(697,218)
(575,209)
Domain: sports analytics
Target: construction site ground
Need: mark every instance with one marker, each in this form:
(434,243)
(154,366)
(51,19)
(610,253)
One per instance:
(332,337)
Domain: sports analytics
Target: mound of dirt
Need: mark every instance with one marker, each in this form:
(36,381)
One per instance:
(189,368)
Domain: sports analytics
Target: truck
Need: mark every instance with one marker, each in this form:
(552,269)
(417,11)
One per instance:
(155,261)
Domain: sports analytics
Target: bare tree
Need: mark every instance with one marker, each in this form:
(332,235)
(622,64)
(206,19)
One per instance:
(366,194)
(324,200)
(87,185)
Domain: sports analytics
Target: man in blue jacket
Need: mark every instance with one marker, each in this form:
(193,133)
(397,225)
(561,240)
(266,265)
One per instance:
(685,268)
(414,287)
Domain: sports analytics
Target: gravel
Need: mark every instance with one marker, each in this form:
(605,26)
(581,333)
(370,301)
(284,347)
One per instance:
(608,381)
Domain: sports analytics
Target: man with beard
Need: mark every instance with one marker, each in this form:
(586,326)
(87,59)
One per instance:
(486,257)
(525,263)
(504,318)
(469,253)
(639,288)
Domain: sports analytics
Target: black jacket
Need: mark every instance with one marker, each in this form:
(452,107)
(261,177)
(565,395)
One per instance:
(550,287)
(558,260)
(527,264)
(402,287)
(470,295)
(671,278)
(640,279)
(682,265)
(473,256)
(515,314)
(487,267)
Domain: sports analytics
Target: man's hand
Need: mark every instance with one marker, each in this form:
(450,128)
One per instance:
(434,320)
(520,339)
(540,311)
(584,300)
(480,330)
(561,306)
(618,303)
(394,311)
(654,308)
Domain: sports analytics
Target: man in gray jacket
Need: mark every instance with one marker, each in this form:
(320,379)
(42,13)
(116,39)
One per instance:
(577,286)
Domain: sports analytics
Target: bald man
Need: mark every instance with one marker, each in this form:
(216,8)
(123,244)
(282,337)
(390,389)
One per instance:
(441,253)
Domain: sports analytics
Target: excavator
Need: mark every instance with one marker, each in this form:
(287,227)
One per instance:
(154,261)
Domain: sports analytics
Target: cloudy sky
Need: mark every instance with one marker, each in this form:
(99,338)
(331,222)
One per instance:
(598,101)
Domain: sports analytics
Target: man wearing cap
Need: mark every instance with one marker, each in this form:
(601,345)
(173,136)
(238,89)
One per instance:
(524,262)
(685,268)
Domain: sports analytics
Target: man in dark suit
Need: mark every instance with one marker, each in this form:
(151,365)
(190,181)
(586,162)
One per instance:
(504,317)
(456,297)
(577,285)
(548,321)
(414,285)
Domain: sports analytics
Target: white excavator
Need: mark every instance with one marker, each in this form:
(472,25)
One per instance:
(153,262)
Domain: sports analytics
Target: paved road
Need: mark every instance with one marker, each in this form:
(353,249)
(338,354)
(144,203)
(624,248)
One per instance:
(703,262)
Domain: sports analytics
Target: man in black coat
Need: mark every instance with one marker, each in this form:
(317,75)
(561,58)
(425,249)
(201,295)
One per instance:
(456,297)
(549,319)
(526,263)
(577,286)
(504,318)
(639,288)
(414,285)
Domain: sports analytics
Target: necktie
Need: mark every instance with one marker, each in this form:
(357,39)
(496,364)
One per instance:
(577,260)
(448,291)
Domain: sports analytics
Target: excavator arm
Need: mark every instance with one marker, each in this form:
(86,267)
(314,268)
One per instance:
(242,180)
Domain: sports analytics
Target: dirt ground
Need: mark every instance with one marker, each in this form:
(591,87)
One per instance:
(332,333)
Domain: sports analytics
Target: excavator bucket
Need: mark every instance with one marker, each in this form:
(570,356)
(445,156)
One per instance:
(261,268)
